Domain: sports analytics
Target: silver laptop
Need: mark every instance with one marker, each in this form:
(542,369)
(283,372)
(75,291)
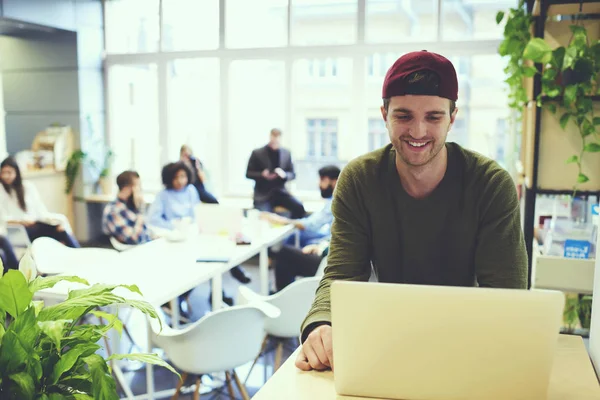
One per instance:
(416,342)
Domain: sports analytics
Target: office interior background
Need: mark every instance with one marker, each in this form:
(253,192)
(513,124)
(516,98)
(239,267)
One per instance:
(140,78)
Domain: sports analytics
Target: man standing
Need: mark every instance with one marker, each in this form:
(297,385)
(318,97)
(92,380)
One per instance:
(271,167)
(420,210)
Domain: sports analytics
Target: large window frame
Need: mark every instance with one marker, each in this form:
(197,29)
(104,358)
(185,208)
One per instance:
(359,52)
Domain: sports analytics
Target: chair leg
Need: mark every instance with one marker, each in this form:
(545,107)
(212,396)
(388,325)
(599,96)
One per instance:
(197,391)
(278,355)
(229,386)
(179,385)
(241,386)
(260,353)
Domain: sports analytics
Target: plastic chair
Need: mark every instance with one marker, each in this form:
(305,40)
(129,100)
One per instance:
(294,302)
(220,341)
(52,257)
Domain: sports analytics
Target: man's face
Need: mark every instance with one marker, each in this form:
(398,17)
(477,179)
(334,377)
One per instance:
(418,126)
(326,185)
(275,141)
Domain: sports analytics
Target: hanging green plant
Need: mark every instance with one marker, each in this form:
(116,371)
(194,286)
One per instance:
(516,36)
(570,78)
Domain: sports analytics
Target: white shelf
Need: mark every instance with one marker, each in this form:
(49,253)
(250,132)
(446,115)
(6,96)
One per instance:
(565,274)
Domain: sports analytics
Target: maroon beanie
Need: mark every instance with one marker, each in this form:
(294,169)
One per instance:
(396,84)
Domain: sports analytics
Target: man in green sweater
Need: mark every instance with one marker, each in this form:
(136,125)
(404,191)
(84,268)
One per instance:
(420,210)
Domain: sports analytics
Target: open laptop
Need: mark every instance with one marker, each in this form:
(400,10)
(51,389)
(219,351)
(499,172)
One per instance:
(415,342)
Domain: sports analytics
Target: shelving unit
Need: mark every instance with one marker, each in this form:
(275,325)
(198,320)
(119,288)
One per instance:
(548,146)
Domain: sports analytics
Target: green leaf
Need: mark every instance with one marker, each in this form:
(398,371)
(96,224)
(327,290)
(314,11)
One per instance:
(144,307)
(82,383)
(499,17)
(538,50)
(578,30)
(596,121)
(572,159)
(68,359)
(569,58)
(558,58)
(14,294)
(551,107)
(587,128)
(146,358)
(564,120)
(549,74)
(2,332)
(582,178)
(54,330)
(592,147)
(529,71)
(570,94)
(41,283)
(12,353)
(81,396)
(75,308)
(101,288)
(113,321)
(38,305)
(26,329)
(103,384)
(25,385)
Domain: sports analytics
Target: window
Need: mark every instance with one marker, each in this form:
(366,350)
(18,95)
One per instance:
(322,68)
(132,26)
(378,134)
(379,63)
(322,138)
(256,23)
(194,113)
(318,22)
(190,25)
(392,21)
(472,19)
(256,105)
(133,106)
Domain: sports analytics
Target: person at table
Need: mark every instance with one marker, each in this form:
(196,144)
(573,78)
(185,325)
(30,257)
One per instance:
(291,262)
(20,203)
(177,201)
(124,218)
(271,167)
(420,210)
(7,254)
(198,175)
(317,226)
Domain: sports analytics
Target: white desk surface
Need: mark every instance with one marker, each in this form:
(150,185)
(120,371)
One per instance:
(573,378)
(163,270)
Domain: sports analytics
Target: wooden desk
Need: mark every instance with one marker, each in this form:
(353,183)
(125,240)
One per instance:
(572,378)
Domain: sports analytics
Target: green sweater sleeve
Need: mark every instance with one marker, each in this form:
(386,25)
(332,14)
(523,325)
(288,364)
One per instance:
(349,254)
(500,255)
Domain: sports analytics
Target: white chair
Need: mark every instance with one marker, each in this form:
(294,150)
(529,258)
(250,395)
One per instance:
(220,341)
(294,302)
(52,257)
(120,246)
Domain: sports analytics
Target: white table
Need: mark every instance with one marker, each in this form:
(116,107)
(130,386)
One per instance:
(164,270)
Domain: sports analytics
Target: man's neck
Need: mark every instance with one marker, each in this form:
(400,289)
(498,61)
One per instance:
(420,182)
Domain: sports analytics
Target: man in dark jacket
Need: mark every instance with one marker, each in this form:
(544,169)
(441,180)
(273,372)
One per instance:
(271,167)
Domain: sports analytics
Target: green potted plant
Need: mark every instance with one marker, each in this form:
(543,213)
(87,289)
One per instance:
(49,352)
(103,170)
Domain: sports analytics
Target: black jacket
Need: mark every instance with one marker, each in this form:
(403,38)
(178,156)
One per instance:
(259,161)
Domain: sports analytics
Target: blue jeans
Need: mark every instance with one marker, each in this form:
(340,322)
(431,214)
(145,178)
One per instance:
(306,238)
(8,255)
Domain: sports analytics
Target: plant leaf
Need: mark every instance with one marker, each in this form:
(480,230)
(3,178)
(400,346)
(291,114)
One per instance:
(75,308)
(113,321)
(147,358)
(81,396)
(538,50)
(564,120)
(144,307)
(529,71)
(68,359)
(26,329)
(101,288)
(54,330)
(572,159)
(587,128)
(14,294)
(24,382)
(81,383)
(582,178)
(41,283)
(551,107)
(12,353)
(103,385)
(596,121)
(592,147)
(499,17)
(570,94)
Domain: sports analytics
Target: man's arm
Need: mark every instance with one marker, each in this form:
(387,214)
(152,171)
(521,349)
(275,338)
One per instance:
(254,170)
(349,252)
(500,255)
(290,175)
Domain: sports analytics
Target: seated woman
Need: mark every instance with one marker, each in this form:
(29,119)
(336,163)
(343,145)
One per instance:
(198,176)
(20,203)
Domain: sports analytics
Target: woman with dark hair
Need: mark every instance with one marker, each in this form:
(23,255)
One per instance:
(198,175)
(177,200)
(20,203)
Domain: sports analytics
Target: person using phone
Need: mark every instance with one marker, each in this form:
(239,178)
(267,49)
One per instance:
(20,203)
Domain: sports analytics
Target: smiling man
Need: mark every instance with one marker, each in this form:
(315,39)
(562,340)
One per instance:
(420,210)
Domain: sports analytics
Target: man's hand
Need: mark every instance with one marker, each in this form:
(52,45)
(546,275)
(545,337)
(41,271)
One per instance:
(311,249)
(268,175)
(317,350)
(138,197)
(27,223)
(281,173)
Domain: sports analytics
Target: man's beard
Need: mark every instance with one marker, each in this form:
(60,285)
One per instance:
(327,193)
